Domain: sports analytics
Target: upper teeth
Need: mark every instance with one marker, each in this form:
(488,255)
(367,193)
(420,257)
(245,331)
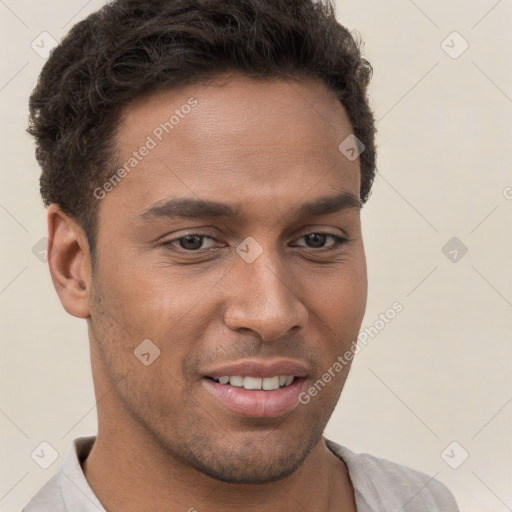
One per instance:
(267,383)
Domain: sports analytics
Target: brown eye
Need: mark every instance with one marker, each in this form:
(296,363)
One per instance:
(317,240)
(190,243)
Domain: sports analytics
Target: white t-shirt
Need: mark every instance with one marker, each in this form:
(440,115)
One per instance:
(379,485)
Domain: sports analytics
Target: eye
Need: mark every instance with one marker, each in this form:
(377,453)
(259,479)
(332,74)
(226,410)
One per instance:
(317,240)
(195,242)
(192,242)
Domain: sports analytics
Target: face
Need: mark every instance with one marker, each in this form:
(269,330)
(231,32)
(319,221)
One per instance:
(233,243)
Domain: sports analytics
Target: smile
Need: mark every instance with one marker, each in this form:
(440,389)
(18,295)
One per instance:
(256,383)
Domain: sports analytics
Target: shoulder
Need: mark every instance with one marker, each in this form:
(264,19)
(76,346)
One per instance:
(47,499)
(382,485)
(68,489)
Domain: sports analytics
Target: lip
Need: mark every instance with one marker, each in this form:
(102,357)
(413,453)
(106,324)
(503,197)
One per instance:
(256,403)
(258,368)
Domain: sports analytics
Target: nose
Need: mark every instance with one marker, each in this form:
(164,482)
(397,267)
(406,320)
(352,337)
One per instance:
(262,299)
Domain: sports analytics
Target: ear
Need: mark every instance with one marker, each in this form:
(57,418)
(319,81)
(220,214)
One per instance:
(69,261)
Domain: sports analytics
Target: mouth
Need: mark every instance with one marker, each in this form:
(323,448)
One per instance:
(258,389)
(256,383)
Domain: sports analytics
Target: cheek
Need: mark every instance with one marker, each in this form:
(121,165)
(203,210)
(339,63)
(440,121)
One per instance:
(140,291)
(342,289)
(344,308)
(154,302)
(337,303)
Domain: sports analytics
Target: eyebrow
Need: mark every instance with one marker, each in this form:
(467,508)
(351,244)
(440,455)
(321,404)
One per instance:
(200,208)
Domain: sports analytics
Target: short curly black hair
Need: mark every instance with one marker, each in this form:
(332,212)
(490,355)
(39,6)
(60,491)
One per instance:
(132,47)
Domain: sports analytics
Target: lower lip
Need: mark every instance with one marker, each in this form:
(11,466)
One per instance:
(256,403)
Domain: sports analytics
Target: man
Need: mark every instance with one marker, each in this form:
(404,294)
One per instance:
(205,163)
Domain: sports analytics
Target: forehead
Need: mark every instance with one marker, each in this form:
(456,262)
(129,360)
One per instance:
(256,139)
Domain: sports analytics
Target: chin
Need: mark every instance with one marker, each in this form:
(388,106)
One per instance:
(250,472)
(270,458)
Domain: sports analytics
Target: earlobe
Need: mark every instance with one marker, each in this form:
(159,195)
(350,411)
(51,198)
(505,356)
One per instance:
(69,261)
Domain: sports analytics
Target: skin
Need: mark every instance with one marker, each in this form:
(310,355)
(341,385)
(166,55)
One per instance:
(164,443)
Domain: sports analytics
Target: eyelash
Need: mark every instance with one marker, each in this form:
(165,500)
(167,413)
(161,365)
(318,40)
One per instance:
(338,242)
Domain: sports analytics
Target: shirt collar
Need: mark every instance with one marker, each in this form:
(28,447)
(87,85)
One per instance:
(76,491)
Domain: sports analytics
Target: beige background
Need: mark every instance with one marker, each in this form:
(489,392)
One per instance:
(440,371)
